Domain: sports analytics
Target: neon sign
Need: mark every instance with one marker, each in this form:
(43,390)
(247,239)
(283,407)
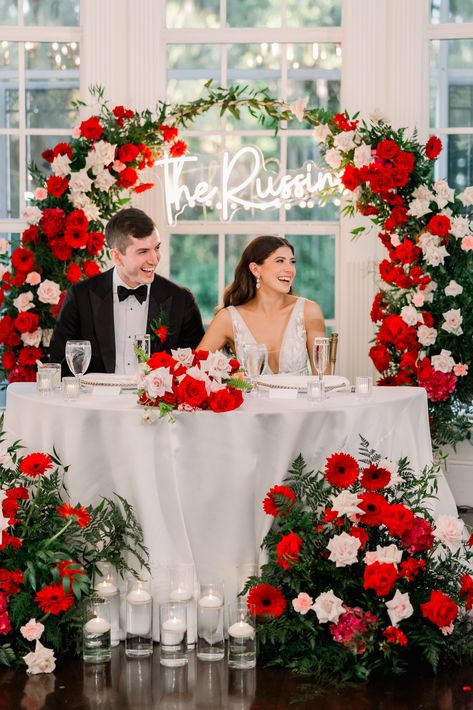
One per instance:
(241,181)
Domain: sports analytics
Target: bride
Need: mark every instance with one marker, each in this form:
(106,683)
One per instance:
(259,306)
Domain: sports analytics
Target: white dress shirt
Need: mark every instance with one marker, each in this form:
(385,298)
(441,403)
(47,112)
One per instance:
(129,318)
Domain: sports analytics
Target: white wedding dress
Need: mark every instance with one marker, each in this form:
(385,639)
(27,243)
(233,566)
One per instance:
(293,353)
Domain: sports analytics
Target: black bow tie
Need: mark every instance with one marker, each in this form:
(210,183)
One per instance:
(140,293)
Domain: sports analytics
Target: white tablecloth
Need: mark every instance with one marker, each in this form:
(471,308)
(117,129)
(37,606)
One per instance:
(197,485)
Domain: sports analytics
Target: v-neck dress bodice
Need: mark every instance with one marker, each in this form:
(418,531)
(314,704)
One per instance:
(293,352)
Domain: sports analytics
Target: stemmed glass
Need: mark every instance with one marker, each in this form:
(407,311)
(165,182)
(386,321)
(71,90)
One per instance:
(78,354)
(320,352)
(255,359)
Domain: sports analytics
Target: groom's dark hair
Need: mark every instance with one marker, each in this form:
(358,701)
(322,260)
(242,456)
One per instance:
(129,222)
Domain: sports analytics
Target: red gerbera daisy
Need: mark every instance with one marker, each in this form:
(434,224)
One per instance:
(80,513)
(279,501)
(373,505)
(36,464)
(433,147)
(287,550)
(268,601)
(374,478)
(341,470)
(53,599)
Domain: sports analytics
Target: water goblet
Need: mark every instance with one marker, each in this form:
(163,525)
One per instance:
(255,360)
(320,352)
(78,354)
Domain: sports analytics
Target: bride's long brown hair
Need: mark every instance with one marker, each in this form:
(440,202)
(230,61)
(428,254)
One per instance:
(243,287)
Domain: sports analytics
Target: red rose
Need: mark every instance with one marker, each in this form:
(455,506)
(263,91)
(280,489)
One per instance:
(440,225)
(48,155)
(410,568)
(226,400)
(127,178)
(57,186)
(433,147)
(380,576)
(388,150)
(91,129)
(424,369)
(287,550)
(419,537)
(405,160)
(73,273)
(162,359)
(31,234)
(341,120)
(428,319)
(10,581)
(169,133)
(95,242)
(61,250)
(77,220)
(62,149)
(177,149)
(440,609)
(128,153)
(466,590)
(406,252)
(75,237)
(26,322)
(351,177)
(192,392)
(90,268)
(8,360)
(120,113)
(380,357)
(377,312)
(398,518)
(22,260)
(279,501)
(52,221)
(381,182)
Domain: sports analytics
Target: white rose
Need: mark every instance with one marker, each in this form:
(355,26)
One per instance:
(449,531)
(409,315)
(24,301)
(183,355)
(321,132)
(418,299)
(426,336)
(423,193)
(80,182)
(389,554)
(32,339)
(104,181)
(333,158)
(4,245)
(428,291)
(32,215)
(41,661)
(362,155)
(428,241)
(217,365)
(344,549)
(84,203)
(399,607)
(47,335)
(344,141)
(158,382)
(105,151)
(328,607)
(49,292)
(297,108)
(443,362)
(453,321)
(444,193)
(460,227)
(377,116)
(466,196)
(453,289)
(418,208)
(436,255)
(61,165)
(346,503)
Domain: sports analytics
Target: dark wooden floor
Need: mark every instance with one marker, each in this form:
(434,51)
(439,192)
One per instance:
(144,684)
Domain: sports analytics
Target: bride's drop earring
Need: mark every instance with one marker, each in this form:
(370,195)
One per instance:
(258,282)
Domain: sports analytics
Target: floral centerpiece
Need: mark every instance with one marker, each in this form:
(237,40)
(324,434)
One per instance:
(361,578)
(48,552)
(423,310)
(191,380)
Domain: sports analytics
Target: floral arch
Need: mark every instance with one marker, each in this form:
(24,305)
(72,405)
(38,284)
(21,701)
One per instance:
(423,310)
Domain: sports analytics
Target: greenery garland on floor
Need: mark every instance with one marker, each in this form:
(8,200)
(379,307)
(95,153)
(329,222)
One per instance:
(423,310)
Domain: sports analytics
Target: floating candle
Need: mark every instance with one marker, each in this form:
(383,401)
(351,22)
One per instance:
(181,594)
(210,600)
(138,596)
(242,630)
(173,631)
(106,588)
(97,626)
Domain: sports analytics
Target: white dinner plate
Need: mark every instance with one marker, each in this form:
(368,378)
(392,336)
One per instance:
(299,382)
(109,379)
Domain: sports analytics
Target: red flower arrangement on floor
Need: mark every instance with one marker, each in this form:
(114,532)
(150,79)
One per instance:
(361,578)
(191,380)
(48,551)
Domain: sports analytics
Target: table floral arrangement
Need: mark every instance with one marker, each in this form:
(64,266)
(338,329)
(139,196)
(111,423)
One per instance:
(361,579)
(48,552)
(190,380)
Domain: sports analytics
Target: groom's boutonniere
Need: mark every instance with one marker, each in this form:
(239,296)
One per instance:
(160,327)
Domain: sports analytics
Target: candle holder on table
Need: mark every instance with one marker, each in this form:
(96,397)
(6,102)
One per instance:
(173,634)
(105,585)
(139,618)
(96,630)
(210,639)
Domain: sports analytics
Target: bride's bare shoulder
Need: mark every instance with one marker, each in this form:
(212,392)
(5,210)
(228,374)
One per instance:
(312,310)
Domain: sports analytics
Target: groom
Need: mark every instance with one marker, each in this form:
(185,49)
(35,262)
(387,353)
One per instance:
(109,309)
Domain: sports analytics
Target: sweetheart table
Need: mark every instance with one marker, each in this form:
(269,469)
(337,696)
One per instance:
(197,484)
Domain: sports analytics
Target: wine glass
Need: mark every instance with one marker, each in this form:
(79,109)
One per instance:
(78,354)
(320,352)
(255,360)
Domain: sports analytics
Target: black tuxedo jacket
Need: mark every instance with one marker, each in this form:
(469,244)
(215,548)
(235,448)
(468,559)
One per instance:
(87,314)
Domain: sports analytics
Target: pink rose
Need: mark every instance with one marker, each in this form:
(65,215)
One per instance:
(33,278)
(40,193)
(302,603)
(467,243)
(49,292)
(460,370)
(32,630)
